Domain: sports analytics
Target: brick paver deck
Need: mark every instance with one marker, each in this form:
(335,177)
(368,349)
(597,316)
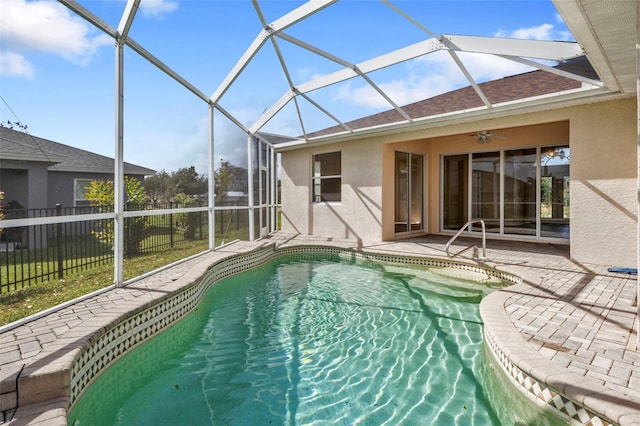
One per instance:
(576,320)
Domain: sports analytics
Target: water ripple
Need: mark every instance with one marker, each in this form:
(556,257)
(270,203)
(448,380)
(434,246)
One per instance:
(317,342)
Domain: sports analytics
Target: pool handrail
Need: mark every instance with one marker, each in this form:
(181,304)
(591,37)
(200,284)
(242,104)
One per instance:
(475,251)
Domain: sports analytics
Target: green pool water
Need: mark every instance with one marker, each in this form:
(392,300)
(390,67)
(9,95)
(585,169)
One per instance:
(310,341)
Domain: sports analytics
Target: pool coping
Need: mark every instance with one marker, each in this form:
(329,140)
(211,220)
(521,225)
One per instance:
(45,382)
(575,397)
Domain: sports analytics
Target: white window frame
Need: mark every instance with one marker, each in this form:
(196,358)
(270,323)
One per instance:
(76,199)
(317,178)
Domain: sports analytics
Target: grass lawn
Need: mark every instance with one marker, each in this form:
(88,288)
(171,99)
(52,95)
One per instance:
(38,297)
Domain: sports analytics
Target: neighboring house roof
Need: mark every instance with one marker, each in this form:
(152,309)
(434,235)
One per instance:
(16,145)
(507,89)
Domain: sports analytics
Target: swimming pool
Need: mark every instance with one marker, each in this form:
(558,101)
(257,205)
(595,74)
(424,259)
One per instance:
(311,340)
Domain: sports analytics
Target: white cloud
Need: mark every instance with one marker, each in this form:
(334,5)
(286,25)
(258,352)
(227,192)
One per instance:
(424,78)
(305,74)
(47,26)
(429,76)
(193,142)
(157,8)
(15,65)
(485,67)
(437,73)
(541,32)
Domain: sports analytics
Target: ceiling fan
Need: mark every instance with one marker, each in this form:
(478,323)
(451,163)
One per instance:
(485,136)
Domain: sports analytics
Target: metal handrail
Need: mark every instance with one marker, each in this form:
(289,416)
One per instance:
(475,251)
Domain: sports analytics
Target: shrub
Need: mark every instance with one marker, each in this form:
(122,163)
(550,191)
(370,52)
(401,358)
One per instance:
(186,222)
(101,193)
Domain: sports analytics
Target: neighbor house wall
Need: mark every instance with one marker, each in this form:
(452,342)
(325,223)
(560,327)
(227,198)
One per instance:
(62,186)
(27,188)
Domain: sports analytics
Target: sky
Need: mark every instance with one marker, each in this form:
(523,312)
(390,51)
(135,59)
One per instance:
(57,71)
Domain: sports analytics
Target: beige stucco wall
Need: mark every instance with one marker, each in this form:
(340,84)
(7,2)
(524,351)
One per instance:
(602,139)
(604,204)
(358,215)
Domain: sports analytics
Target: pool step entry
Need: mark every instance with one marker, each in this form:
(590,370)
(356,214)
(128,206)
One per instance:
(474,247)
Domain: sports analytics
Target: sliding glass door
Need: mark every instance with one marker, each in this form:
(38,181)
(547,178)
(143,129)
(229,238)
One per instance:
(409,198)
(485,190)
(520,192)
(455,196)
(516,192)
(554,191)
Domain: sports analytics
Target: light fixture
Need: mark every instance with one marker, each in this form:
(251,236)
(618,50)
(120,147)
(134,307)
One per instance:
(485,136)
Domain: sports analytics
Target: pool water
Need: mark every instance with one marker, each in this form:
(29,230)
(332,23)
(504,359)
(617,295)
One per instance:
(313,341)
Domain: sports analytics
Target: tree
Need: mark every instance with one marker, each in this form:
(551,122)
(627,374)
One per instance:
(163,187)
(100,193)
(159,187)
(187,181)
(186,222)
(222,182)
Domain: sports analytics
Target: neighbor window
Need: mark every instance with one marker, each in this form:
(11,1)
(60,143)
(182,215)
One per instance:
(326,179)
(80,192)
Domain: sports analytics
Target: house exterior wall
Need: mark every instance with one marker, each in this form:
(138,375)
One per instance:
(359,213)
(21,181)
(604,200)
(602,139)
(14,183)
(62,184)
(528,136)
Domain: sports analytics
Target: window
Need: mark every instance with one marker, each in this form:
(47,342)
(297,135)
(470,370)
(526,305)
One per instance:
(409,206)
(81,186)
(326,178)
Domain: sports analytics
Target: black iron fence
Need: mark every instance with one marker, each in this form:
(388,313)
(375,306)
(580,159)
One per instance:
(39,253)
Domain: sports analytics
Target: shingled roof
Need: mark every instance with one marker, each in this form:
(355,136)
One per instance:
(512,88)
(21,146)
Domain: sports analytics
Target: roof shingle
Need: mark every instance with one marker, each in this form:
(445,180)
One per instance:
(521,86)
(15,145)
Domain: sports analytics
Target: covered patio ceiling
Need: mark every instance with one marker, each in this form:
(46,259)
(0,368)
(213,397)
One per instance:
(604,31)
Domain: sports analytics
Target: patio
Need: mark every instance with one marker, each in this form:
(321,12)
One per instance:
(570,325)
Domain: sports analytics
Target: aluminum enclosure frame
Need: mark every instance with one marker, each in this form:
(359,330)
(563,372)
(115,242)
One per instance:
(275,32)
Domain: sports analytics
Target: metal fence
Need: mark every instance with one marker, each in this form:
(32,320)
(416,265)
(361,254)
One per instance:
(39,253)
